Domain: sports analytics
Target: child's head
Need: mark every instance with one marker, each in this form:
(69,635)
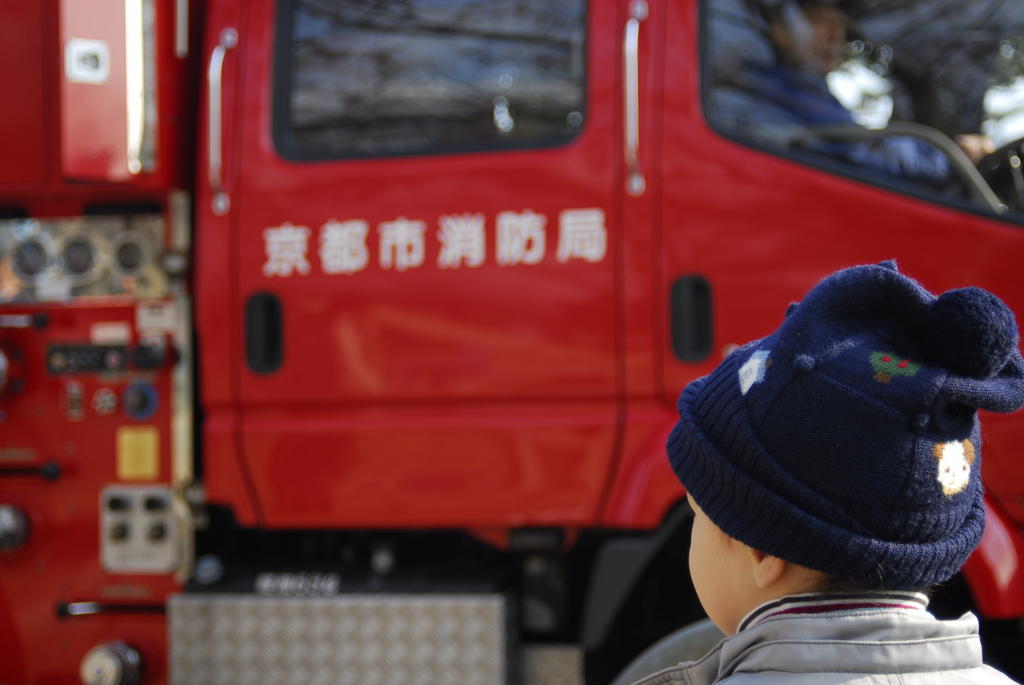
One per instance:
(845,444)
(732,578)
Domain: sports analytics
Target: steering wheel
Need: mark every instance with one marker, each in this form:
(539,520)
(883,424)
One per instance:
(975,185)
(1004,171)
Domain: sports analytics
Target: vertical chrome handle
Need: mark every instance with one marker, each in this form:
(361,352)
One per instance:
(135,81)
(221,201)
(181,29)
(635,182)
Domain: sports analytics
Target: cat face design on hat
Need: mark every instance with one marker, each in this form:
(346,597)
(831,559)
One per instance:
(955,460)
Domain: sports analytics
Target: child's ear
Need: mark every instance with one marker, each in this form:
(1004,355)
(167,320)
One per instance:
(766,568)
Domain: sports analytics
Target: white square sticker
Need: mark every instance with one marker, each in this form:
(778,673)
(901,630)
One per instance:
(86,61)
(154,318)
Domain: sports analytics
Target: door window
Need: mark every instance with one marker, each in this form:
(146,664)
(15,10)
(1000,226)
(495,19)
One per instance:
(923,95)
(401,77)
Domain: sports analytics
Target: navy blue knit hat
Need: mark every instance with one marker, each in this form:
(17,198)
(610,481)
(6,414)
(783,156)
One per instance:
(848,441)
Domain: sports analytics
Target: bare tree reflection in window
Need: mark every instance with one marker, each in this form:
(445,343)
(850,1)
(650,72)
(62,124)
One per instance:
(399,76)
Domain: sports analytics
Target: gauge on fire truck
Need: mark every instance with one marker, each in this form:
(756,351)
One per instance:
(79,256)
(31,258)
(131,252)
(82,259)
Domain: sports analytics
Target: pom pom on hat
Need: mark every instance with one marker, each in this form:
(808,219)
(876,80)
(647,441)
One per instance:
(970,332)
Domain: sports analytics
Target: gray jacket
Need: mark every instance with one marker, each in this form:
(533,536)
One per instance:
(861,647)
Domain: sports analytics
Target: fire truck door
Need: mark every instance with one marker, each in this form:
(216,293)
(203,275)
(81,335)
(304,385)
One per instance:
(424,233)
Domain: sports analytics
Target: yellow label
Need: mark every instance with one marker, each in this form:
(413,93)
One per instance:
(138,453)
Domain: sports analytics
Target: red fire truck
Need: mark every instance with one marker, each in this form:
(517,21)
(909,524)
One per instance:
(339,341)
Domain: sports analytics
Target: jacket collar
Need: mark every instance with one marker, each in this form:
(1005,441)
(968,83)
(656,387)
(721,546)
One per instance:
(871,637)
(826,603)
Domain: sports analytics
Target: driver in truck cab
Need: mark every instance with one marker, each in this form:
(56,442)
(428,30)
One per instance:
(780,95)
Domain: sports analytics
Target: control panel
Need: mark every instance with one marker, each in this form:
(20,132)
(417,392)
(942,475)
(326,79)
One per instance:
(95,433)
(86,358)
(54,260)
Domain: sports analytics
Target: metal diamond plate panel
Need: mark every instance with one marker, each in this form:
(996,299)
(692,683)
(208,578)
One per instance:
(552,665)
(346,640)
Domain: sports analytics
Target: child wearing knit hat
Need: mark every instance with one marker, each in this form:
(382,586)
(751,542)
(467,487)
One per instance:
(833,468)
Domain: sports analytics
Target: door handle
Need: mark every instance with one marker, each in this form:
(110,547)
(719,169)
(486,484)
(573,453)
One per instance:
(635,182)
(214,77)
(181,22)
(264,333)
(692,318)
